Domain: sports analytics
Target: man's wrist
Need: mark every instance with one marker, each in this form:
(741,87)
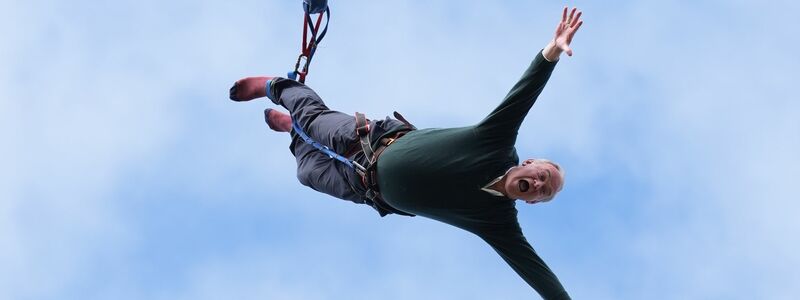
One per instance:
(550,52)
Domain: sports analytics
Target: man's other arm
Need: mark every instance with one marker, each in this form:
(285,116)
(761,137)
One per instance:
(512,246)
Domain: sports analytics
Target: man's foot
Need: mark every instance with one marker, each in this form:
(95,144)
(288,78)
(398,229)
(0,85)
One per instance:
(278,121)
(249,88)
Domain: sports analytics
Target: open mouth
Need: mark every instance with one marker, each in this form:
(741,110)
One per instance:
(523,186)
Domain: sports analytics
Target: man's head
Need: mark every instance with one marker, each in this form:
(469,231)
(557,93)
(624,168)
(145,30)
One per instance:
(534,181)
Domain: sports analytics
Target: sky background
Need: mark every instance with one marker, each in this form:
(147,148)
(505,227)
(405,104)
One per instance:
(126,173)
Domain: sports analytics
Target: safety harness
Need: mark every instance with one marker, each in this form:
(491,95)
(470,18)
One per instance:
(368,172)
(309,47)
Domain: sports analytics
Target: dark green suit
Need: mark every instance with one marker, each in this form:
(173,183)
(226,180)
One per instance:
(439,173)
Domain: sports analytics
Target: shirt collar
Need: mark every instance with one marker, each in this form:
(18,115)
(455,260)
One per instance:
(486,188)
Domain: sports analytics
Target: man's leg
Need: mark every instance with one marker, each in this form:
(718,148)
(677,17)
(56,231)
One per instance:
(321,173)
(331,128)
(278,121)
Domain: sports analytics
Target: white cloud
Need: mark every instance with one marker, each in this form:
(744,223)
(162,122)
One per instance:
(74,121)
(719,148)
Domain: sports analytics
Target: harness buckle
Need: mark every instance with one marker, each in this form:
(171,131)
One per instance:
(361,170)
(305,61)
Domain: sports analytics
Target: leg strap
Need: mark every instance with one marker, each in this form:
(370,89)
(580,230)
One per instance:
(363,132)
(403,119)
(369,174)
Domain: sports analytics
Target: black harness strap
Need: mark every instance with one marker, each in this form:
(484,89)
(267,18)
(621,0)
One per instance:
(363,132)
(403,119)
(370,173)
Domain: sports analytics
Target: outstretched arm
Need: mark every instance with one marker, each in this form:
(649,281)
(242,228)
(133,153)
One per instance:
(512,246)
(505,120)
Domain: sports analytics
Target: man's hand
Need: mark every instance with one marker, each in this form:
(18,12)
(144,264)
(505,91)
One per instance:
(565,31)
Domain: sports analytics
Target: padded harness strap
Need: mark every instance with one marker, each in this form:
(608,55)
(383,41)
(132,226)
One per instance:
(363,132)
(370,175)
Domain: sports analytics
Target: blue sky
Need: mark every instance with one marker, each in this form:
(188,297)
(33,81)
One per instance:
(127,174)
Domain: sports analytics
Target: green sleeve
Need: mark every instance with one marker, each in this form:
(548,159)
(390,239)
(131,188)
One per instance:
(518,253)
(508,116)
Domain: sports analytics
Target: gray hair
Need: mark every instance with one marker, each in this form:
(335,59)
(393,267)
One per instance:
(560,174)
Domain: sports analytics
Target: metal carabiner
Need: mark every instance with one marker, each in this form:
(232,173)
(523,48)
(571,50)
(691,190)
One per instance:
(304,59)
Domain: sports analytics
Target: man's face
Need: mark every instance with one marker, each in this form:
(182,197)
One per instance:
(533,182)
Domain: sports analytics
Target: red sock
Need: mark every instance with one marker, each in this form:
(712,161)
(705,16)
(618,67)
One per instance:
(278,121)
(249,88)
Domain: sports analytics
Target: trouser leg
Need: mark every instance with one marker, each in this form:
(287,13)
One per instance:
(331,128)
(323,174)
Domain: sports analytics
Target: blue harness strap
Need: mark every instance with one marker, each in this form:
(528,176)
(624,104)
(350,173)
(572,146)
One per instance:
(367,174)
(351,164)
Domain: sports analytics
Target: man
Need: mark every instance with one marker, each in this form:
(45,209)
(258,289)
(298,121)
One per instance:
(468,177)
